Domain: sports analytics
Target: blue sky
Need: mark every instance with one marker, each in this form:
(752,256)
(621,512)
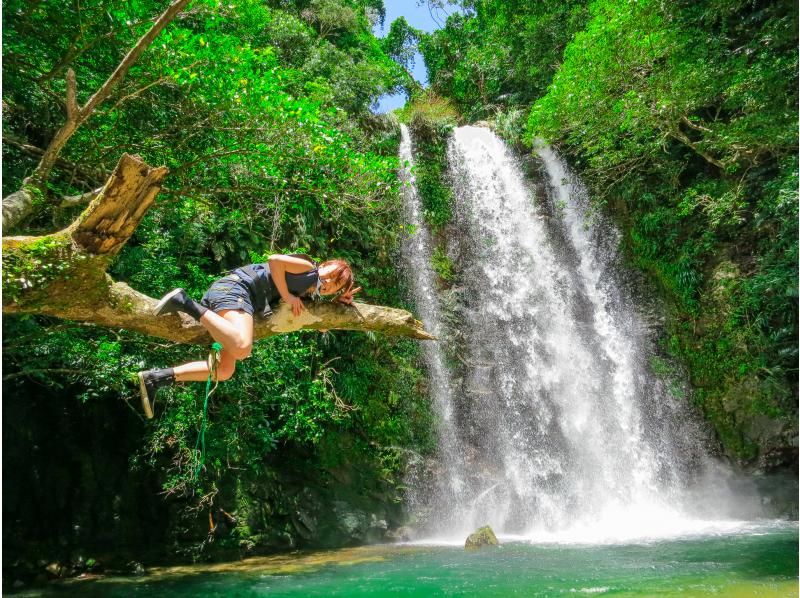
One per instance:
(419,17)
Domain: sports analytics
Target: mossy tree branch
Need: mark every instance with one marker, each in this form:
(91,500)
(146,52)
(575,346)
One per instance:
(64,274)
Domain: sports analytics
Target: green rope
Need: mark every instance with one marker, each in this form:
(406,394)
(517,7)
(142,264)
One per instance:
(213,362)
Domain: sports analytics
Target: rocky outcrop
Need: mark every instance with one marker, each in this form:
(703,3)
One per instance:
(480,538)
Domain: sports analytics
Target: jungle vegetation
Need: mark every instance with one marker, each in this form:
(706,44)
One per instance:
(261,112)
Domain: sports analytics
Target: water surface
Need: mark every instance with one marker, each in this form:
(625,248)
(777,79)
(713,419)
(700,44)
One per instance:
(761,562)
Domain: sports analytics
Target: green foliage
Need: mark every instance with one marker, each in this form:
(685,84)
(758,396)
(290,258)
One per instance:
(499,54)
(401,42)
(267,118)
(261,112)
(442,265)
(431,119)
(637,76)
(430,114)
(278,396)
(510,125)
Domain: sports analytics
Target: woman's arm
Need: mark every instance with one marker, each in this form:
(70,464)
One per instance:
(279,265)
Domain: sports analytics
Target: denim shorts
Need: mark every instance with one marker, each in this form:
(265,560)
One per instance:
(228,293)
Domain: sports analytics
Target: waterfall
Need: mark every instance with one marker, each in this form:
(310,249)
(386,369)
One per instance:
(555,427)
(417,249)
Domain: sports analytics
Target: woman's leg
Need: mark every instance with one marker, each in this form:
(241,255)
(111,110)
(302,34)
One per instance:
(231,331)
(231,328)
(197,371)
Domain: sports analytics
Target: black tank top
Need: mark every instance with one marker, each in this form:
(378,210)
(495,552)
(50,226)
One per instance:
(263,292)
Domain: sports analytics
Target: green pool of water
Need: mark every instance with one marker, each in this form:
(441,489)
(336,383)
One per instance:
(761,564)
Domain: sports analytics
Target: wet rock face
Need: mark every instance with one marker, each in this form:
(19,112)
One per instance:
(357,526)
(352,522)
(401,534)
(482,537)
(778,492)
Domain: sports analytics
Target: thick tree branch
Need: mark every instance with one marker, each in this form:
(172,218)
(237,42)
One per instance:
(17,205)
(64,274)
(129,309)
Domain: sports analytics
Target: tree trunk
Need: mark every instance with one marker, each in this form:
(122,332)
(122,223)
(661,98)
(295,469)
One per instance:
(64,274)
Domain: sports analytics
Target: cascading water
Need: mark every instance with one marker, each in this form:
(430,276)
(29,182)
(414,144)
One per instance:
(555,428)
(417,250)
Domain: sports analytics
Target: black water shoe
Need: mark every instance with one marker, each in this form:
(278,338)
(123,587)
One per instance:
(177,300)
(149,383)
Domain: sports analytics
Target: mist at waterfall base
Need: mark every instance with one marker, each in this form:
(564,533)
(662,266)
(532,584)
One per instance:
(552,425)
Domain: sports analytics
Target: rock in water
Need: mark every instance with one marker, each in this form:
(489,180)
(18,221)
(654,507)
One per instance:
(483,537)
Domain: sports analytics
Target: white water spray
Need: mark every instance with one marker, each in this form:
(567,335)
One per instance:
(417,250)
(558,428)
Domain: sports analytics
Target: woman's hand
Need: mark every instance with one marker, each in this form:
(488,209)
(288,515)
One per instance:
(297,305)
(347,298)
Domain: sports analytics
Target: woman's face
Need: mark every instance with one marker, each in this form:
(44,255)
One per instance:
(328,287)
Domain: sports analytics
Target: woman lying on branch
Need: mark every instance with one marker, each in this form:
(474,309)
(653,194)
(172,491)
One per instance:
(227,308)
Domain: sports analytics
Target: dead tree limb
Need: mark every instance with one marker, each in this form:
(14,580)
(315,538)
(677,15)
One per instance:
(64,274)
